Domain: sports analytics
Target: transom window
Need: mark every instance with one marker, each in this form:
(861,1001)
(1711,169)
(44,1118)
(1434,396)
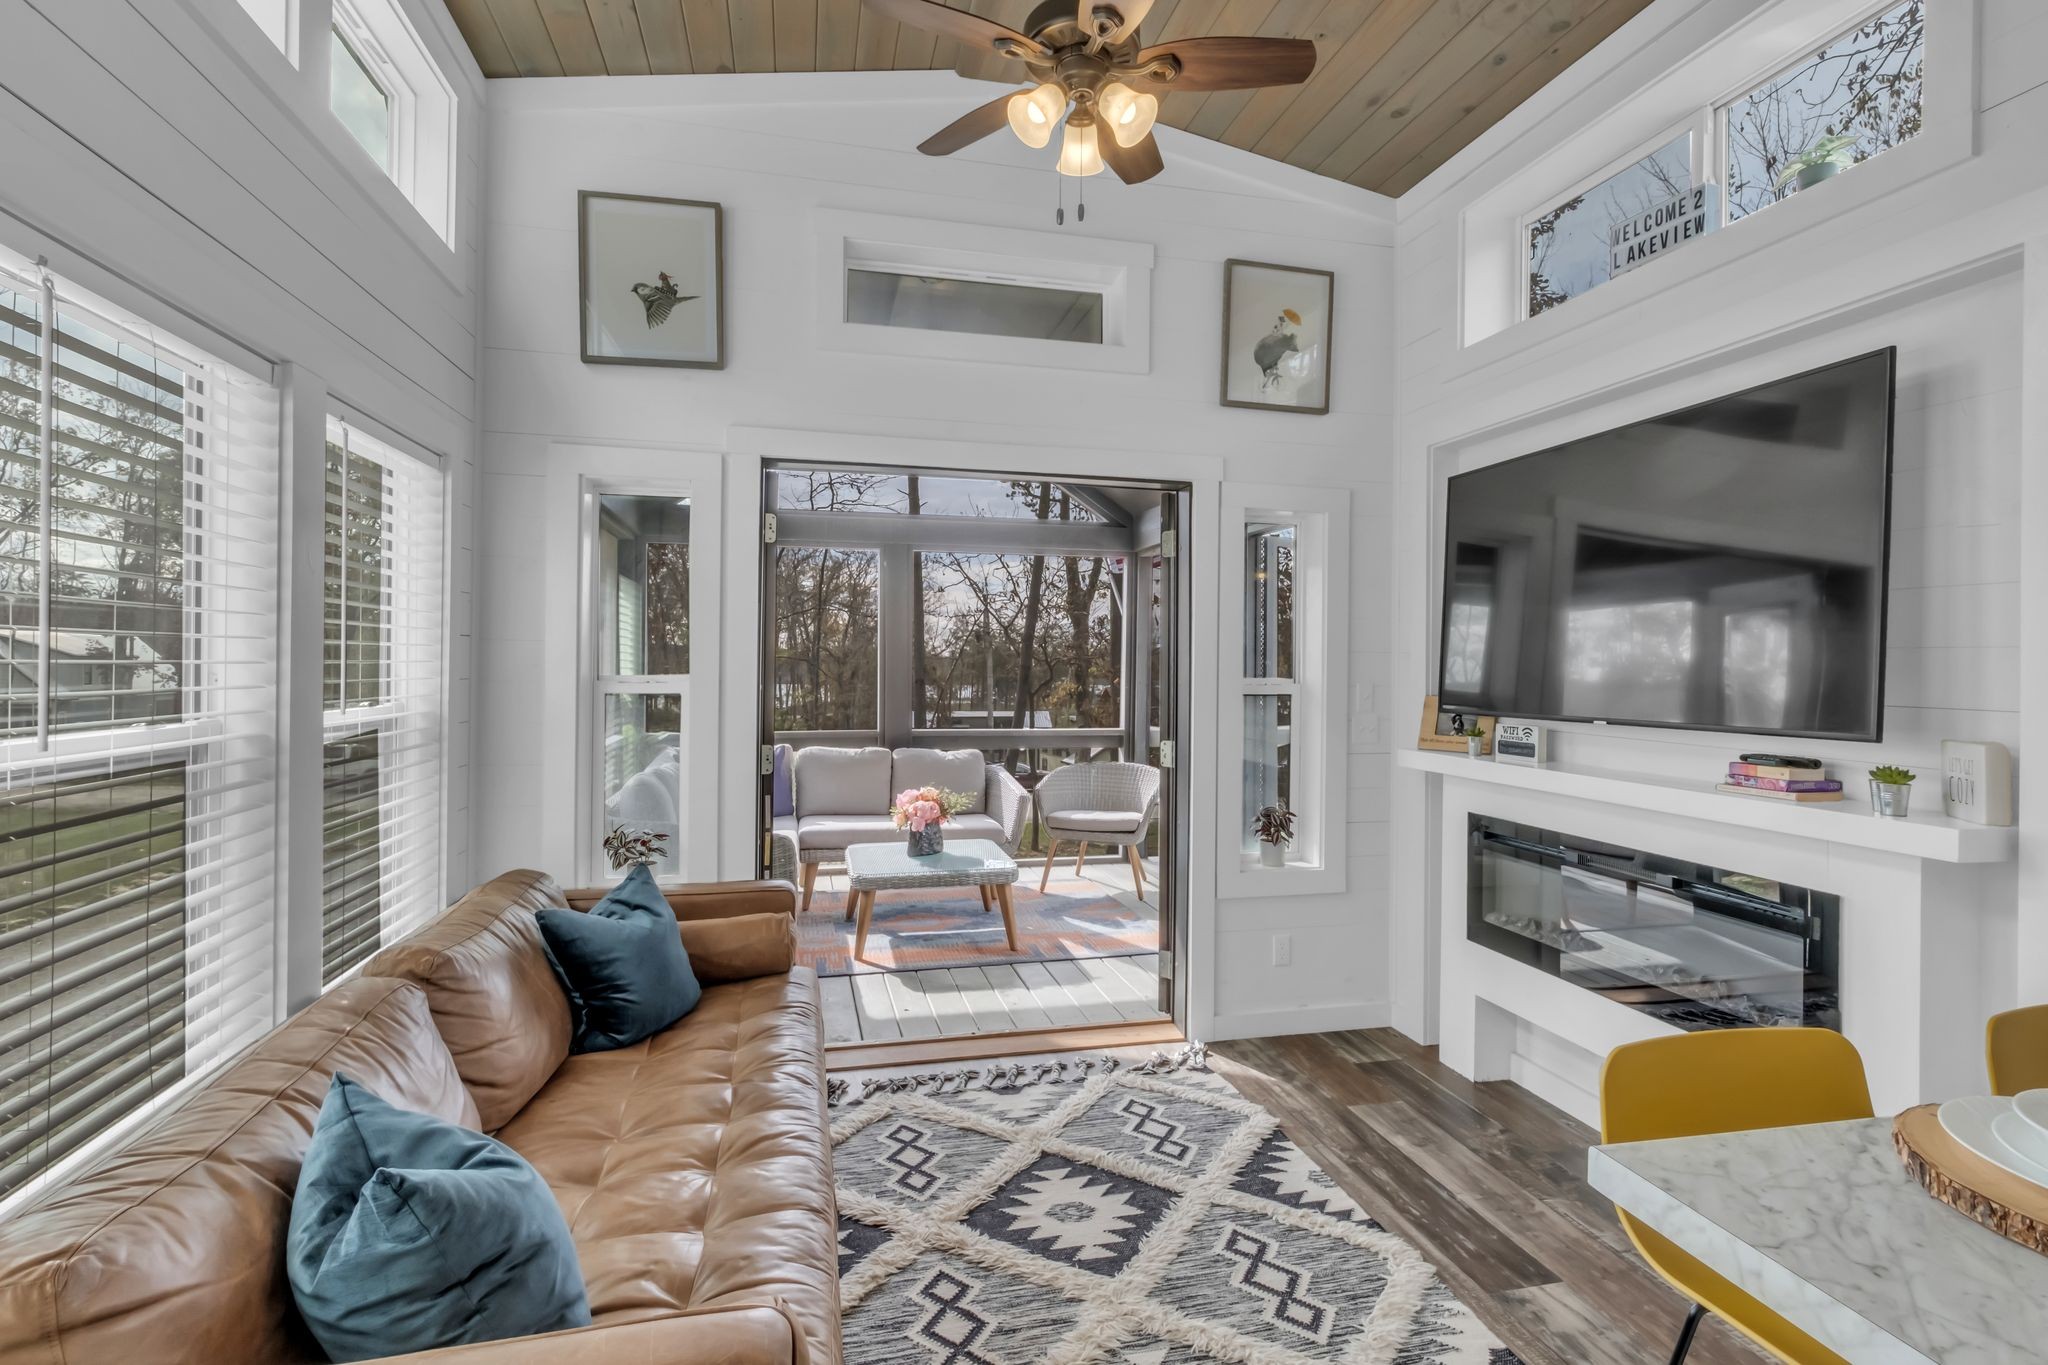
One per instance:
(386,91)
(987,307)
(360,100)
(1853,97)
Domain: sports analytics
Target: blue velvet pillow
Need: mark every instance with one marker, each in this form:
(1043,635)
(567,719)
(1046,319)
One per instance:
(409,1232)
(622,965)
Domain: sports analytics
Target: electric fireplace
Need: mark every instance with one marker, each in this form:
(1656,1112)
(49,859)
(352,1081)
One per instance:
(1695,946)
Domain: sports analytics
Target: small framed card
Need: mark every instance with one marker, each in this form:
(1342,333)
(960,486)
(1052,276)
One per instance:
(1276,337)
(1440,729)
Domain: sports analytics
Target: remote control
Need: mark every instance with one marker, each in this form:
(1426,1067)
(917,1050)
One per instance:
(1781,761)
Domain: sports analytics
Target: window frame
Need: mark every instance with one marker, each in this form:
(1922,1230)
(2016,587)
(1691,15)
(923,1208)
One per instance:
(424,163)
(1491,229)
(392,709)
(572,761)
(1319,726)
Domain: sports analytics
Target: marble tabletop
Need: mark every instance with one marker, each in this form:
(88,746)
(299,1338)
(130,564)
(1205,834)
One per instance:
(1823,1224)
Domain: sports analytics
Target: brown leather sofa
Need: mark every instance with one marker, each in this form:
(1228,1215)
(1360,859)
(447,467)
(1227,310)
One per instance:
(694,1168)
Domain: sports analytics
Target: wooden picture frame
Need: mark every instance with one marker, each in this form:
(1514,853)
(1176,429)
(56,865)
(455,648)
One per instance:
(1277,326)
(1437,729)
(650,280)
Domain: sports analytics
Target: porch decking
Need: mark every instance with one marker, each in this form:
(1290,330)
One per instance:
(996,998)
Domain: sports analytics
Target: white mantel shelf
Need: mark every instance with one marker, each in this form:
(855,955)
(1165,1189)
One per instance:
(1934,837)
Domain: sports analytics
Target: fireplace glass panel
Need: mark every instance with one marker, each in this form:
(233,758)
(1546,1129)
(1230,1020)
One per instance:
(1695,946)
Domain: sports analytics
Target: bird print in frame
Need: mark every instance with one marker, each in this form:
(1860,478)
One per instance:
(1276,337)
(652,280)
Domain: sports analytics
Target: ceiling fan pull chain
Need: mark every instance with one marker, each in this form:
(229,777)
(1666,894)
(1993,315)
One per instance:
(1081,202)
(1059,214)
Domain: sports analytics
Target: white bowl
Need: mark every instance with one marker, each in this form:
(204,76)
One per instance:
(1971,1121)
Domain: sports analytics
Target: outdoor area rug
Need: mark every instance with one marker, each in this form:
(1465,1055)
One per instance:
(912,930)
(1094,1212)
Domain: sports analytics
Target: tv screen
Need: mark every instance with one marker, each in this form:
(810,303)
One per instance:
(1717,568)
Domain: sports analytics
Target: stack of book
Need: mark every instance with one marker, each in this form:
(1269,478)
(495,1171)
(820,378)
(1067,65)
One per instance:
(1781,782)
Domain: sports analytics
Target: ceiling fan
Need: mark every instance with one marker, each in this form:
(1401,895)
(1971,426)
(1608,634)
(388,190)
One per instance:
(1087,65)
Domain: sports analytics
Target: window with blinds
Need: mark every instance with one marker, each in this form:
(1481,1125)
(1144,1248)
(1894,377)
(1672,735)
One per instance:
(138,611)
(382,694)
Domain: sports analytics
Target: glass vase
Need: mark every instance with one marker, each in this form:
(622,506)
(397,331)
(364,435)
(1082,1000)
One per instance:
(927,841)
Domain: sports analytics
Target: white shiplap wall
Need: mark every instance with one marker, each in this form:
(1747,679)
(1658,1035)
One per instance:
(1944,268)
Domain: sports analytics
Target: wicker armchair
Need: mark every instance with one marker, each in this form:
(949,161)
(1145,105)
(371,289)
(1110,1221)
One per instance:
(1097,803)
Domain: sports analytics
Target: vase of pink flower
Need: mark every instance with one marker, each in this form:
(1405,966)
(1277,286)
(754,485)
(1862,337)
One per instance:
(923,812)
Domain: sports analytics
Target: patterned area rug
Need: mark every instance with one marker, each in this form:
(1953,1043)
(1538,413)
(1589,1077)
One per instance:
(1121,1219)
(1075,918)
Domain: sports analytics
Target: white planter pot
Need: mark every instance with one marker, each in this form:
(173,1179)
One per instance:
(1272,855)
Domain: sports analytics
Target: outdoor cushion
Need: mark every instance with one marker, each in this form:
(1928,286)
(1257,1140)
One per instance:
(958,770)
(1094,821)
(835,832)
(830,780)
(785,781)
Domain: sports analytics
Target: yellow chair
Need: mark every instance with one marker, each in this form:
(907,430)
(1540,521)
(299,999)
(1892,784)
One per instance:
(2016,1050)
(1728,1081)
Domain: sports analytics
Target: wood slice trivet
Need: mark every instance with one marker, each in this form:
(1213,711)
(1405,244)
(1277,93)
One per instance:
(1985,1192)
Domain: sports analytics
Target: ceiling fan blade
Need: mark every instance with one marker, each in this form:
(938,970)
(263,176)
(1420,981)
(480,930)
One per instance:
(1231,63)
(971,30)
(969,128)
(1131,164)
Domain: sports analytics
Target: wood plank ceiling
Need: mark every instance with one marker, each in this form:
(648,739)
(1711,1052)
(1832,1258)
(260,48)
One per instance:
(1400,85)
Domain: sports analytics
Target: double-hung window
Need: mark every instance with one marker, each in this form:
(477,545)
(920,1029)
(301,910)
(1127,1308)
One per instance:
(382,695)
(643,673)
(138,610)
(1286,662)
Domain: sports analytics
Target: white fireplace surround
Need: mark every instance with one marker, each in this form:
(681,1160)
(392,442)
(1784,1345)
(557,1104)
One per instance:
(1926,928)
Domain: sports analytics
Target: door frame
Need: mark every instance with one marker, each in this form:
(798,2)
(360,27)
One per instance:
(1199,476)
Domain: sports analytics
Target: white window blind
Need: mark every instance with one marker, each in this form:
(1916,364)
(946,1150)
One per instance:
(138,611)
(382,696)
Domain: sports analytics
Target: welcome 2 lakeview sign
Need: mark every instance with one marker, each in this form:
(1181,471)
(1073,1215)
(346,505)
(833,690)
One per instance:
(1662,227)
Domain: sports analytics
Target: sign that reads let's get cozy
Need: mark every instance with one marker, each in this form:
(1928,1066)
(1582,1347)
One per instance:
(1661,228)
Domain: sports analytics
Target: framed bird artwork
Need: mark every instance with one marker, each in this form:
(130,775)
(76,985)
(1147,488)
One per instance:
(1276,337)
(652,277)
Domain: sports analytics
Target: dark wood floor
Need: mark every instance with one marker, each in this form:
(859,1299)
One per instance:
(1488,1181)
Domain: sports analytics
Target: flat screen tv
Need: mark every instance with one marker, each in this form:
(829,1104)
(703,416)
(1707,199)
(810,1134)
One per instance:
(1718,568)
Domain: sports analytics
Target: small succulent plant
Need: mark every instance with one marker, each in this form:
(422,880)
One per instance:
(1891,775)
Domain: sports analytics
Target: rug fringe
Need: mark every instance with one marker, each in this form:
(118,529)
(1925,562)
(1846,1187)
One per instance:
(1014,1076)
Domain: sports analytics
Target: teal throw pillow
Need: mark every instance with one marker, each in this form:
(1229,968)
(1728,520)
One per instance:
(622,965)
(409,1233)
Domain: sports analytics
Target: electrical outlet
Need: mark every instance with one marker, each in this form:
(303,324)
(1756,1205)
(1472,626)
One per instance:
(1283,950)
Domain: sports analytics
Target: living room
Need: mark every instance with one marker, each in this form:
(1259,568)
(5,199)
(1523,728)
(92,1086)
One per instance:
(861,680)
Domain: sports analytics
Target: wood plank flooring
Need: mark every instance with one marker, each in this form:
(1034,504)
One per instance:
(1488,1181)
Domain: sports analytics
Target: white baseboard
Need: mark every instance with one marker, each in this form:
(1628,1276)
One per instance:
(1308,1019)
(1551,1088)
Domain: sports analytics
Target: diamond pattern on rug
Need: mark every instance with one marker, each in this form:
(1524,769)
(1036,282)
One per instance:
(1176,1131)
(1075,1214)
(1283,1173)
(913,1160)
(1123,1219)
(940,1308)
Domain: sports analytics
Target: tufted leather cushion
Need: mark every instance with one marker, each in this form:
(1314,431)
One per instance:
(495,999)
(694,1167)
(171,1248)
(960,770)
(740,947)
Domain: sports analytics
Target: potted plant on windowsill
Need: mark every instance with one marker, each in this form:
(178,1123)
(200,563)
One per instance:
(632,847)
(1829,156)
(1891,790)
(1275,827)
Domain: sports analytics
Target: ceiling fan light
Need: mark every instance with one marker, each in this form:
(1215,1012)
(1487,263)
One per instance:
(1033,113)
(1079,152)
(1129,113)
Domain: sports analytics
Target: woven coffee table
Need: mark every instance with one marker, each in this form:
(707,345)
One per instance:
(964,862)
